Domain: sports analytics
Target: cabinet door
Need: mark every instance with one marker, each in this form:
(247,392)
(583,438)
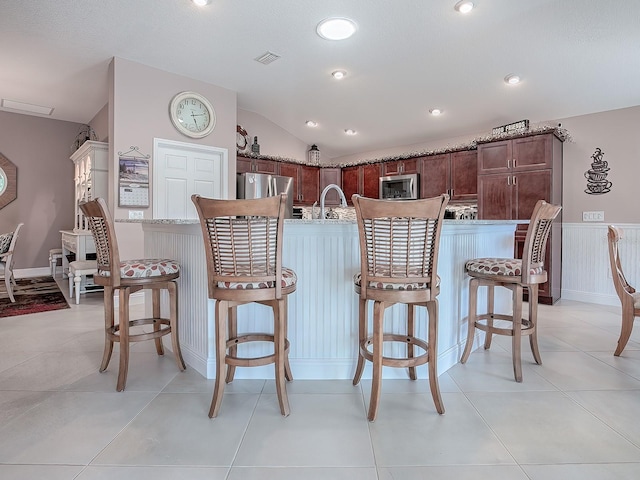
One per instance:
(327,177)
(495,157)
(371,180)
(392,168)
(292,170)
(434,179)
(350,182)
(494,197)
(410,165)
(243,165)
(532,152)
(266,166)
(464,175)
(309,180)
(528,188)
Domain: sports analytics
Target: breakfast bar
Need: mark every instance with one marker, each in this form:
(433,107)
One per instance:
(323,311)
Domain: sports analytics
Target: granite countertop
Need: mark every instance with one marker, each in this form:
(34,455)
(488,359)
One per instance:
(296,221)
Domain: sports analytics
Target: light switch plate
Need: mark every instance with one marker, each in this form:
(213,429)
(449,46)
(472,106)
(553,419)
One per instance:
(136,215)
(593,216)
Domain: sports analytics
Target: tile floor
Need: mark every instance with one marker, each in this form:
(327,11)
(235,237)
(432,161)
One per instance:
(576,416)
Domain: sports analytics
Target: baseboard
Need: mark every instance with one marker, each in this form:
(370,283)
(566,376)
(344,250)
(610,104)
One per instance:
(590,297)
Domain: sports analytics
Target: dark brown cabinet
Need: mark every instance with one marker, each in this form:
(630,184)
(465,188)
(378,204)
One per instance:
(256,165)
(453,173)
(512,176)
(361,179)
(330,176)
(305,182)
(400,167)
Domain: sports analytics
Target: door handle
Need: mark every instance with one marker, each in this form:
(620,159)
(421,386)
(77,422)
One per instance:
(509,181)
(508,163)
(514,179)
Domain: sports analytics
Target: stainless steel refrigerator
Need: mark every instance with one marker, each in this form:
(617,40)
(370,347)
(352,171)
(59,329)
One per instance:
(261,185)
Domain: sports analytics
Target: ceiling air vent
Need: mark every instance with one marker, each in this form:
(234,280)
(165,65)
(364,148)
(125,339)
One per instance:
(267,58)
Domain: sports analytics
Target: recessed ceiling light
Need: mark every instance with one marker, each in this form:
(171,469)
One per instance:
(512,79)
(311,123)
(339,74)
(26,107)
(350,131)
(464,6)
(201,3)
(435,112)
(336,28)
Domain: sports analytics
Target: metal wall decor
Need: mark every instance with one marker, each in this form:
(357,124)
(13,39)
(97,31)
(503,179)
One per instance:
(597,183)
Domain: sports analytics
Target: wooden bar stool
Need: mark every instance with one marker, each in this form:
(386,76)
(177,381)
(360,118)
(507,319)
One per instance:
(127,277)
(55,254)
(77,270)
(243,247)
(399,244)
(513,274)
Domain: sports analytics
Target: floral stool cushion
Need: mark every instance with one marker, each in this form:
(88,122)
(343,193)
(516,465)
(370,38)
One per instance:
(357,279)
(289,278)
(499,266)
(144,268)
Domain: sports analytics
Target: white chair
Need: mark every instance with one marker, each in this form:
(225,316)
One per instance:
(77,270)
(6,261)
(55,254)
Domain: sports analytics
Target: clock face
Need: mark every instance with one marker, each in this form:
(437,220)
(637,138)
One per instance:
(192,114)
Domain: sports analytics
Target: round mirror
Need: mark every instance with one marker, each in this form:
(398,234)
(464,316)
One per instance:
(8,181)
(3,181)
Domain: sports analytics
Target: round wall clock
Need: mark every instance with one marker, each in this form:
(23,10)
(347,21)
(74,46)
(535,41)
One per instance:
(242,140)
(192,114)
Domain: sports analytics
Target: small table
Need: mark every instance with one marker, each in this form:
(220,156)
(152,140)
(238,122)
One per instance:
(81,243)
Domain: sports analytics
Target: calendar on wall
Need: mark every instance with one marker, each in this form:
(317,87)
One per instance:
(133,182)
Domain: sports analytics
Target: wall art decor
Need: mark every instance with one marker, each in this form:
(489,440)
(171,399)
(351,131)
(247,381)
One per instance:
(133,179)
(597,183)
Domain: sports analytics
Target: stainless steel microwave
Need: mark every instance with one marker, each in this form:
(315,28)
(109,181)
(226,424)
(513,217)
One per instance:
(400,187)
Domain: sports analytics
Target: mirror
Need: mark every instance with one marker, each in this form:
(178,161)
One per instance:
(8,181)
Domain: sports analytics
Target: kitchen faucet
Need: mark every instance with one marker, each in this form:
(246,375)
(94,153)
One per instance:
(324,194)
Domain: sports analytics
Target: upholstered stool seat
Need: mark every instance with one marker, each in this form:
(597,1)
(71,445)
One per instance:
(513,274)
(243,247)
(127,277)
(55,254)
(399,243)
(77,270)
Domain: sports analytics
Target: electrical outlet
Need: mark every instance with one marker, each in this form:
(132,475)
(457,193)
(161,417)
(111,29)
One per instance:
(593,216)
(136,215)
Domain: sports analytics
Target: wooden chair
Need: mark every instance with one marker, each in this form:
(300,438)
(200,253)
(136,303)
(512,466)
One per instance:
(127,277)
(243,247)
(6,261)
(629,298)
(399,244)
(513,274)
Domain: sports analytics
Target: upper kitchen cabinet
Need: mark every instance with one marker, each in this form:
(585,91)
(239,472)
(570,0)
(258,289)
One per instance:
(305,182)
(400,167)
(453,173)
(330,176)
(514,174)
(256,165)
(361,179)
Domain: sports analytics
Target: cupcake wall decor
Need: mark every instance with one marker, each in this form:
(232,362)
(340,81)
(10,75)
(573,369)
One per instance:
(597,183)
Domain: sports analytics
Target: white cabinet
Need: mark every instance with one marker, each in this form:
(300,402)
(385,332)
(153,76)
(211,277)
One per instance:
(90,177)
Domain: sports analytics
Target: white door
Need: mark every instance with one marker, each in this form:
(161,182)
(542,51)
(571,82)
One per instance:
(182,169)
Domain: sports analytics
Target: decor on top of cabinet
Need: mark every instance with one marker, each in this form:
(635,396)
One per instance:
(255,147)
(597,183)
(85,133)
(242,140)
(133,178)
(314,155)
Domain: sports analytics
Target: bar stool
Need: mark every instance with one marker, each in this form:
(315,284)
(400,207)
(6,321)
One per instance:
(127,277)
(55,254)
(399,244)
(243,247)
(513,274)
(77,270)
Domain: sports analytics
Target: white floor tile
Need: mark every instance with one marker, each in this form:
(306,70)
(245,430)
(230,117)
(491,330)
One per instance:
(475,472)
(604,471)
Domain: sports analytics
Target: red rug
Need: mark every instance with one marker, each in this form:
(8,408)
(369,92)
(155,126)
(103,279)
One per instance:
(33,295)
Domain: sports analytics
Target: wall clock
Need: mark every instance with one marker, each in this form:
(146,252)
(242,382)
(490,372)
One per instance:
(242,140)
(192,114)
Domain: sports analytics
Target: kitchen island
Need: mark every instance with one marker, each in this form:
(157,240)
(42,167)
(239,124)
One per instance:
(323,311)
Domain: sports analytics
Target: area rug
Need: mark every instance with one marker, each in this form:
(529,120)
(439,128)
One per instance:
(33,295)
